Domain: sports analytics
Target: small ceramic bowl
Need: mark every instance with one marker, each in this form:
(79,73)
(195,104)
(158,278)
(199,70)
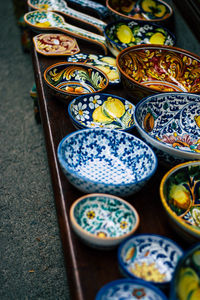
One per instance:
(67,80)
(149,257)
(102,110)
(170,123)
(127,289)
(107,160)
(185,282)
(123,34)
(180,196)
(103,221)
(150,69)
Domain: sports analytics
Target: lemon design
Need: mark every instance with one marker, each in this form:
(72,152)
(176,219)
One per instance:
(196,216)
(180,196)
(99,116)
(113,108)
(44,24)
(197,120)
(161,10)
(147,5)
(151,6)
(157,38)
(124,34)
(109,60)
(188,284)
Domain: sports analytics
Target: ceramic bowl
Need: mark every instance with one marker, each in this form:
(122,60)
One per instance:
(150,69)
(170,123)
(107,160)
(180,196)
(185,282)
(127,289)
(149,257)
(123,34)
(67,80)
(102,110)
(102,220)
(105,63)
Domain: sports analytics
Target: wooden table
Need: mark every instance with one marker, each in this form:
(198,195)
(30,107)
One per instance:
(89,269)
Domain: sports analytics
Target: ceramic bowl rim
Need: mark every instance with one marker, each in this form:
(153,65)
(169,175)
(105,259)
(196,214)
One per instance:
(153,20)
(160,145)
(66,63)
(142,23)
(146,47)
(65,166)
(131,275)
(103,195)
(129,280)
(183,224)
(80,125)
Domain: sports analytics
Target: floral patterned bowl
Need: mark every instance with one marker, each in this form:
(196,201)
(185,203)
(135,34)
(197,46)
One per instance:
(102,110)
(107,160)
(129,289)
(170,123)
(66,80)
(180,196)
(149,257)
(102,220)
(150,69)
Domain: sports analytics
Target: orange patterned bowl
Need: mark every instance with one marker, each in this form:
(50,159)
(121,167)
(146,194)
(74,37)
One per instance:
(150,69)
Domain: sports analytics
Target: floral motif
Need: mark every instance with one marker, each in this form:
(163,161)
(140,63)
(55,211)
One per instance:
(80,111)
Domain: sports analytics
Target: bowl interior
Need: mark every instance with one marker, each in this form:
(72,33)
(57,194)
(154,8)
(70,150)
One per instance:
(171,119)
(149,257)
(105,216)
(102,110)
(106,156)
(161,68)
(75,78)
(181,195)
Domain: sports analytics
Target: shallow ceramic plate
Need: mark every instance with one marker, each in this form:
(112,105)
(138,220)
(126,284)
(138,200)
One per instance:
(150,257)
(105,63)
(52,44)
(102,110)
(129,289)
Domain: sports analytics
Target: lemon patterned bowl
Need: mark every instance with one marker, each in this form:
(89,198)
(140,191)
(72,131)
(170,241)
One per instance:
(186,278)
(151,69)
(102,220)
(107,160)
(102,110)
(149,257)
(180,196)
(67,80)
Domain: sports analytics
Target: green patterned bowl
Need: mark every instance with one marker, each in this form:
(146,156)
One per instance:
(103,221)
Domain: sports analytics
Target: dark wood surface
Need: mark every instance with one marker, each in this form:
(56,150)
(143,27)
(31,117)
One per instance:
(89,269)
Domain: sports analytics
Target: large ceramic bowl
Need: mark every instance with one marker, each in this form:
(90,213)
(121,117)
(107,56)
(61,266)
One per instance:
(149,257)
(103,221)
(180,196)
(129,289)
(67,80)
(106,160)
(102,110)
(150,69)
(185,282)
(170,123)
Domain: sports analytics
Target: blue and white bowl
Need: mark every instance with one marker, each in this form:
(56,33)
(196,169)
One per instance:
(106,160)
(129,289)
(149,257)
(170,123)
(102,110)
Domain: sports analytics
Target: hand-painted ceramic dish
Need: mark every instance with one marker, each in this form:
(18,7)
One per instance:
(123,34)
(102,220)
(105,63)
(149,257)
(185,282)
(150,69)
(67,80)
(170,122)
(129,289)
(52,44)
(102,110)
(106,160)
(180,196)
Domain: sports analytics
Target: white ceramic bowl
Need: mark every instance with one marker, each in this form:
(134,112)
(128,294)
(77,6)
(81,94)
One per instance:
(106,160)
(102,220)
